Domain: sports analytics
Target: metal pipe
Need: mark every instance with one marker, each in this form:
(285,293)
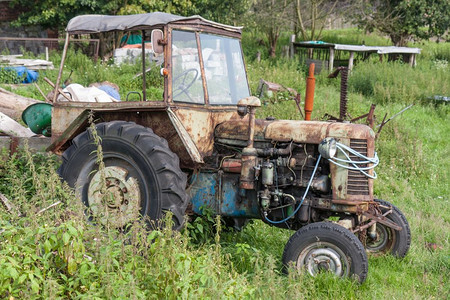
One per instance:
(251,127)
(61,67)
(309,98)
(144,85)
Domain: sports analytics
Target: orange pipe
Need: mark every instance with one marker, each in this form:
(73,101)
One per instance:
(309,98)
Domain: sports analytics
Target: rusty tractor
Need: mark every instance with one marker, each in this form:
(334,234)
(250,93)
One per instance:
(201,146)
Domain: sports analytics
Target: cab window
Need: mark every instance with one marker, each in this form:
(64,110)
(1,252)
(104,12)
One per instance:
(186,76)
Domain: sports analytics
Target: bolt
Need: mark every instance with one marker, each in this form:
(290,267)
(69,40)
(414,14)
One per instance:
(124,190)
(108,183)
(126,202)
(117,181)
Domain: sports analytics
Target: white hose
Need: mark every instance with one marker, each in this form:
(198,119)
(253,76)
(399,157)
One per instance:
(366,160)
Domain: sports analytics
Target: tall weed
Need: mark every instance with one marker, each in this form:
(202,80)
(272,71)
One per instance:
(396,82)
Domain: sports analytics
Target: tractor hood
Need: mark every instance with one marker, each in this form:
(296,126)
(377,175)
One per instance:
(311,132)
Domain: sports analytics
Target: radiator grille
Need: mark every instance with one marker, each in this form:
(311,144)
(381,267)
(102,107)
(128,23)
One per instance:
(358,183)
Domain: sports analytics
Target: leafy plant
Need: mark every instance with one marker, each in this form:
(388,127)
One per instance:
(10,76)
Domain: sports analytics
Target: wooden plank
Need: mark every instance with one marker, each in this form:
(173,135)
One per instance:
(350,60)
(331,59)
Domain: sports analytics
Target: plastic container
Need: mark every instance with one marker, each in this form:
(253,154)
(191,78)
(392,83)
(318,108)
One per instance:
(38,117)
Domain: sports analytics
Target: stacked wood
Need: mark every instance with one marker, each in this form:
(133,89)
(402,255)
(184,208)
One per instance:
(31,64)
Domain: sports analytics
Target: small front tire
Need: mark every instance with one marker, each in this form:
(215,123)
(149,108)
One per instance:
(326,246)
(387,239)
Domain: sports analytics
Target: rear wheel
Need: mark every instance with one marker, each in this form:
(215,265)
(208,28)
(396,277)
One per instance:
(326,247)
(387,239)
(141,176)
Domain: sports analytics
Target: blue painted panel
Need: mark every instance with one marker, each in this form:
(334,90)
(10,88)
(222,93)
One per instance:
(221,195)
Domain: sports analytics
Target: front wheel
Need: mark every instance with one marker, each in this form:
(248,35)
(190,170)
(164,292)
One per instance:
(326,246)
(388,240)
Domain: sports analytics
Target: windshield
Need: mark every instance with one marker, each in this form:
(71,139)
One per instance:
(224,70)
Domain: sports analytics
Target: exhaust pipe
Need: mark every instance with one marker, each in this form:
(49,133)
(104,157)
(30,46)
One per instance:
(309,98)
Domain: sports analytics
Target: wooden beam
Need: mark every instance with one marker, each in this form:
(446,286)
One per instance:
(350,60)
(411,59)
(291,46)
(61,67)
(331,59)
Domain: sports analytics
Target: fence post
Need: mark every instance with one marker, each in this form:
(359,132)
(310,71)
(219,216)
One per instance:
(291,45)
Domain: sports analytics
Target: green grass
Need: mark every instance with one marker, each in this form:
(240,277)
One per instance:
(57,254)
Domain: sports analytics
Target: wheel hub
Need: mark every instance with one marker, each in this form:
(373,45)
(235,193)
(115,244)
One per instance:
(321,257)
(381,240)
(113,198)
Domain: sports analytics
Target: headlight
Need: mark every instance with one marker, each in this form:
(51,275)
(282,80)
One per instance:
(327,148)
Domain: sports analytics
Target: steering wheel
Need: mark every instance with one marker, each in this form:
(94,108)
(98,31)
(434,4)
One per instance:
(180,83)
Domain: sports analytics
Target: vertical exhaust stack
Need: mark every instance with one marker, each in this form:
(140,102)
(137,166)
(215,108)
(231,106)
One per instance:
(249,154)
(309,98)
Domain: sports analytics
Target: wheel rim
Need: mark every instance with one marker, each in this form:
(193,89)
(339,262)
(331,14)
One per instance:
(383,242)
(321,257)
(113,198)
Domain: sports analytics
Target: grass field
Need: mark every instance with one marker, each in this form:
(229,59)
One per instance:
(57,254)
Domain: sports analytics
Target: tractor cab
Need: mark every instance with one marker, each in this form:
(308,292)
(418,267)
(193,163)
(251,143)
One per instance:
(202,66)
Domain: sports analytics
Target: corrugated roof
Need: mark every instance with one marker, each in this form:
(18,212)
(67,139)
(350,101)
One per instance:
(359,48)
(105,23)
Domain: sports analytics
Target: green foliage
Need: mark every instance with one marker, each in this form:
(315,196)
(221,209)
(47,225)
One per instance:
(354,36)
(402,20)
(382,83)
(53,14)
(10,76)
(58,254)
(201,229)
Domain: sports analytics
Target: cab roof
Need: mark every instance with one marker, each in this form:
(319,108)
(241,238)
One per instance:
(104,23)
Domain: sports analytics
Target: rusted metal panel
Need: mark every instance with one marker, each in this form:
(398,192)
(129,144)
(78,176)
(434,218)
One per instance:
(238,129)
(185,138)
(339,175)
(340,205)
(200,123)
(64,130)
(161,125)
(315,131)
(70,118)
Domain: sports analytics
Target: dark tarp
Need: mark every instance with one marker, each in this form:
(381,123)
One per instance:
(105,23)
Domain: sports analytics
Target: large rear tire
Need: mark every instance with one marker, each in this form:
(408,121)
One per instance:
(142,175)
(389,240)
(326,246)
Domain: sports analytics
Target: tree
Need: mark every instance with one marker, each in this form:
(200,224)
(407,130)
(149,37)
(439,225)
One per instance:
(404,20)
(312,15)
(271,17)
(54,14)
